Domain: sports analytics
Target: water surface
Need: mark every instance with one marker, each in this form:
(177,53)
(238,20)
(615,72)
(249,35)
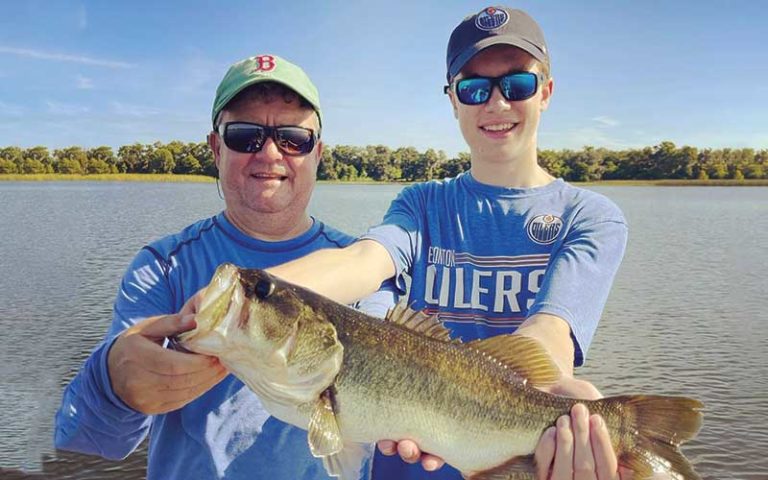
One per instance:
(687,314)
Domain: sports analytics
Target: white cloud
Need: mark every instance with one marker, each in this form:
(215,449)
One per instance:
(84,83)
(134,110)
(65,109)
(61,57)
(606,121)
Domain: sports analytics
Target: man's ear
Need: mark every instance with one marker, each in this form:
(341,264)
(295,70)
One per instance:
(214,141)
(319,147)
(546,93)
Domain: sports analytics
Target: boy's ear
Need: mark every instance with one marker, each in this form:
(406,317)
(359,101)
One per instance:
(546,93)
(453,104)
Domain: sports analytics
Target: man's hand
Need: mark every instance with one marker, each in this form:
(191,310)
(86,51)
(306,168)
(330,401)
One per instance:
(410,453)
(152,379)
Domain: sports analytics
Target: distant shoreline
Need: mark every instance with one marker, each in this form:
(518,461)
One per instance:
(171,178)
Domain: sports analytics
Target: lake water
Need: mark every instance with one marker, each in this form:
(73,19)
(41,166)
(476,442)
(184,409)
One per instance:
(687,314)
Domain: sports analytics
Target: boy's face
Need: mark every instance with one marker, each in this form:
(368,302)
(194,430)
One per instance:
(501,130)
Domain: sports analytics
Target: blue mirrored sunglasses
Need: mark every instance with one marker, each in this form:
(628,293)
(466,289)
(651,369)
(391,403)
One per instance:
(477,90)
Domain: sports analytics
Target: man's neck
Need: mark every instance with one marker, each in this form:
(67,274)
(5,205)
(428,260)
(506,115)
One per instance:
(270,227)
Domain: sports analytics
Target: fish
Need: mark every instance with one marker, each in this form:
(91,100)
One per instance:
(350,380)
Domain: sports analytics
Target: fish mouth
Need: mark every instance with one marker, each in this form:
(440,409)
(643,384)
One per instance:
(215,303)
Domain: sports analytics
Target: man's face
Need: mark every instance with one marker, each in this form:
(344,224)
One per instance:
(267,181)
(501,130)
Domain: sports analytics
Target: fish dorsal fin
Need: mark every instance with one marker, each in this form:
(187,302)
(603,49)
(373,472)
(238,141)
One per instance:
(418,321)
(525,356)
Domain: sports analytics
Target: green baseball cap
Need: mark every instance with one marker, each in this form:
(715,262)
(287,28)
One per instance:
(264,68)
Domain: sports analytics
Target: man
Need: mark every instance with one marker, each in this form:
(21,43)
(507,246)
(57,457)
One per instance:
(503,248)
(205,424)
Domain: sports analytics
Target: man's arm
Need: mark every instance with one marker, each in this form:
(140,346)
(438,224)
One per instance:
(342,274)
(105,409)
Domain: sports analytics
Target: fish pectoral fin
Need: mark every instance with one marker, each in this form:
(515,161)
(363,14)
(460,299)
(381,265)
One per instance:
(518,468)
(525,356)
(351,462)
(324,435)
(418,321)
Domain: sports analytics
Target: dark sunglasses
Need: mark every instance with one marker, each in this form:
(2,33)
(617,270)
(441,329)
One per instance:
(477,90)
(245,137)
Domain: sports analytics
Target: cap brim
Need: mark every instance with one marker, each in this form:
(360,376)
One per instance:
(512,40)
(254,81)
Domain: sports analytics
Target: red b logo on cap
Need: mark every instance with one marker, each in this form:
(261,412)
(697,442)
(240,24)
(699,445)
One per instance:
(266,63)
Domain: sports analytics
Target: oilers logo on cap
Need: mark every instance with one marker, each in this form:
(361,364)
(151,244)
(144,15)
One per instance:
(544,229)
(491,18)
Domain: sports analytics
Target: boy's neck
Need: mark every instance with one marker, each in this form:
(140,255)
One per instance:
(511,173)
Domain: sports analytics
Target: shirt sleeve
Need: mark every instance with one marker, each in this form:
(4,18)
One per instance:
(399,233)
(92,418)
(576,284)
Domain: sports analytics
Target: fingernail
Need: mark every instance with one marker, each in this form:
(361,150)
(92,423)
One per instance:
(564,421)
(430,464)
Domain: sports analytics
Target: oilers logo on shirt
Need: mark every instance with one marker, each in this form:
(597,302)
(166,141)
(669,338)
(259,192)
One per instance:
(544,229)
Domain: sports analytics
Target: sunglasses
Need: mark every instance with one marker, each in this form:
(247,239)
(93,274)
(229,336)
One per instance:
(514,87)
(245,137)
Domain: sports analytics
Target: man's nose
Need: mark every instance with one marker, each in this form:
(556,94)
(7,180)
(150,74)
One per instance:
(269,151)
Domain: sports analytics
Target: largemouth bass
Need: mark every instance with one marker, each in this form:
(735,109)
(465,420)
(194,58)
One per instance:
(350,380)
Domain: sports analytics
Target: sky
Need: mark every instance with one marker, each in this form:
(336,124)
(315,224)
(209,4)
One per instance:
(627,73)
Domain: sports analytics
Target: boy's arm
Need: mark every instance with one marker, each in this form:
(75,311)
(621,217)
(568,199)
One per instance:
(342,274)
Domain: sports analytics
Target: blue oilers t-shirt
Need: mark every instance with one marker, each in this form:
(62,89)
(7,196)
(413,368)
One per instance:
(484,258)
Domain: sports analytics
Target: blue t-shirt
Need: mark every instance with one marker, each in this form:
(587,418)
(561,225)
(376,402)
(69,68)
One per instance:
(225,433)
(484,258)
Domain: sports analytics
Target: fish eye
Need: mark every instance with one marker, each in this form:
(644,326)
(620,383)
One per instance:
(263,289)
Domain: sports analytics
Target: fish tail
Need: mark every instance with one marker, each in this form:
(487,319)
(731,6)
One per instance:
(661,424)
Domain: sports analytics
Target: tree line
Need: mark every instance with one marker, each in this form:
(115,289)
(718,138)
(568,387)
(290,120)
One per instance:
(381,163)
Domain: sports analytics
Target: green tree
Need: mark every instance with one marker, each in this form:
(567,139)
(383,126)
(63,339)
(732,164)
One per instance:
(101,160)
(585,165)
(409,160)
(133,158)
(162,161)
(42,155)
(12,154)
(455,166)
(188,165)
(552,162)
(328,168)
(69,166)
(76,154)
(32,166)
(7,166)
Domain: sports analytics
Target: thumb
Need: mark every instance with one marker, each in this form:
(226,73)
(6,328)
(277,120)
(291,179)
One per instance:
(163,326)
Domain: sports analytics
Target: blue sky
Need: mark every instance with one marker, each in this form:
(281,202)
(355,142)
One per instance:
(627,73)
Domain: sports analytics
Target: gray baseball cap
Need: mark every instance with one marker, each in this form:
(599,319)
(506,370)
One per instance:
(494,26)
